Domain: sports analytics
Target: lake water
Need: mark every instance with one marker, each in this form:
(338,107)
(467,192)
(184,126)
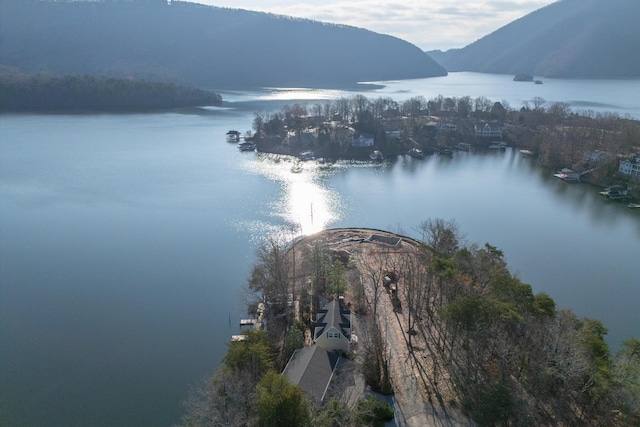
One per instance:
(125,239)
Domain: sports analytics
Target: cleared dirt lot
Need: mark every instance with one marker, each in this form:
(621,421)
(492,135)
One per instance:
(372,254)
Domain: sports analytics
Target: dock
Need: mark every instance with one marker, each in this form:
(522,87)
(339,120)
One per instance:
(253,322)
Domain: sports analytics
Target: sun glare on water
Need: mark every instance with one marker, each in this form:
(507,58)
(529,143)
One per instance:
(307,205)
(299,94)
(304,204)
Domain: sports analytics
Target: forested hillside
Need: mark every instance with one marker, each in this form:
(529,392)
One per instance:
(90,93)
(567,39)
(205,46)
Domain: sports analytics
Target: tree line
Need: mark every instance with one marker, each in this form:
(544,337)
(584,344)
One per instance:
(501,353)
(96,93)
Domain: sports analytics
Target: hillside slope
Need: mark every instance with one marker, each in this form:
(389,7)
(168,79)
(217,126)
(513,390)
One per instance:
(569,39)
(206,46)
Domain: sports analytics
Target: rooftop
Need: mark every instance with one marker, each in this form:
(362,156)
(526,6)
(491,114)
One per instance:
(311,369)
(334,315)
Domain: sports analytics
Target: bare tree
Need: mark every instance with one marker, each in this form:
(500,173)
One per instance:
(359,104)
(412,270)
(343,108)
(413,107)
(373,270)
(270,274)
(482,104)
(442,237)
(435,104)
(538,103)
(224,399)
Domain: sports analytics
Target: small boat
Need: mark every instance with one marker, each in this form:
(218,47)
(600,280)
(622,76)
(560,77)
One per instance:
(538,82)
(247,146)
(633,205)
(233,136)
(526,152)
(307,155)
(376,156)
(297,167)
(417,153)
(463,146)
(498,145)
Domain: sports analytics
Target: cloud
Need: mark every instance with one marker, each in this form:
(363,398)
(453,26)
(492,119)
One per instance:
(429,25)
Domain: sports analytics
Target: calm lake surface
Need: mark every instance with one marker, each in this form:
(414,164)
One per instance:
(125,239)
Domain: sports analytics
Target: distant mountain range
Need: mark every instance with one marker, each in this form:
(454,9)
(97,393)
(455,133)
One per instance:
(567,39)
(204,46)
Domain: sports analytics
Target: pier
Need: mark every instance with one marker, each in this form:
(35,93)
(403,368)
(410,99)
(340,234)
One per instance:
(254,322)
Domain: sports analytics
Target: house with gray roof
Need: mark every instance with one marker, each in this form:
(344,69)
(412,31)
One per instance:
(333,328)
(312,368)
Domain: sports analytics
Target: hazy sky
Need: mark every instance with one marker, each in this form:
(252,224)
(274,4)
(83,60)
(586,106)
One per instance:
(441,24)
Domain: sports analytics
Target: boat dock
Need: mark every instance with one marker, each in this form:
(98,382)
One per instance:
(253,322)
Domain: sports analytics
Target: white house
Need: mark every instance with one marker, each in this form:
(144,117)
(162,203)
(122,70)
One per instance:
(362,141)
(630,166)
(488,131)
(595,156)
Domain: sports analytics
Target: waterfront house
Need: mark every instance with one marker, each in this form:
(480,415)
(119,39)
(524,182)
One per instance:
(362,141)
(312,368)
(333,328)
(616,192)
(488,131)
(595,157)
(630,166)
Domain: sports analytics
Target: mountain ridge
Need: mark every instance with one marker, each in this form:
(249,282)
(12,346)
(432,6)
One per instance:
(566,39)
(205,46)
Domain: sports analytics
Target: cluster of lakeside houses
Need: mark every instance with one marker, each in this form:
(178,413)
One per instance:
(628,166)
(304,143)
(435,134)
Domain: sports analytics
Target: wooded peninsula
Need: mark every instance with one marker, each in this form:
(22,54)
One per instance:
(45,93)
(442,325)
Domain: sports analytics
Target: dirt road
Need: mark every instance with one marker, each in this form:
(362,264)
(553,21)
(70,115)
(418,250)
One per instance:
(368,249)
